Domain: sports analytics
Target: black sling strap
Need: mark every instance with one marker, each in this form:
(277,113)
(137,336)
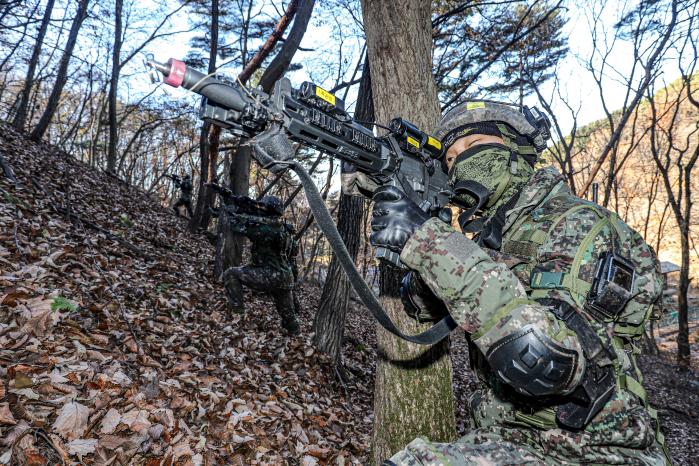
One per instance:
(431,336)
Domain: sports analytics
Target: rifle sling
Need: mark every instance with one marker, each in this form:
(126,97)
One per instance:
(431,336)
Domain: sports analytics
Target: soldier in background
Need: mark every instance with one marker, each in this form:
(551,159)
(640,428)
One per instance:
(272,267)
(185,199)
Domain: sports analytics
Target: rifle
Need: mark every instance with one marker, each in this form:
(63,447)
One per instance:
(176,179)
(405,157)
(241,204)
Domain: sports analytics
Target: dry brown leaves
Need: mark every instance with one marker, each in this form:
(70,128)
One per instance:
(112,354)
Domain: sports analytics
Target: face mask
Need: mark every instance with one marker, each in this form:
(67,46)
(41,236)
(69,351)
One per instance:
(480,175)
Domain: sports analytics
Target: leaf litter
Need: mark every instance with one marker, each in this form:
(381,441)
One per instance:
(116,348)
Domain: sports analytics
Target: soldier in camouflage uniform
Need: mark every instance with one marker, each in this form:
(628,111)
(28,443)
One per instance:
(273,266)
(185,198)
(553,293)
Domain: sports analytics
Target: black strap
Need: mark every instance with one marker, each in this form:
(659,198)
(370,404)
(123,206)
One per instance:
(324,220)
(598,383)
(491,235)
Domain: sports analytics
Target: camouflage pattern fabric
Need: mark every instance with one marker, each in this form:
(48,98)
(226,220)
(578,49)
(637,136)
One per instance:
(272,268)
(548,233)
(491,167)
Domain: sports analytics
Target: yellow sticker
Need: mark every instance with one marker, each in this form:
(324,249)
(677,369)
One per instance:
(325,95)
(434,143)
(413,142)
(474,105)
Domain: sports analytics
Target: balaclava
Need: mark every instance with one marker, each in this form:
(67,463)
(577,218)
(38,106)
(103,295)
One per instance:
(487,174)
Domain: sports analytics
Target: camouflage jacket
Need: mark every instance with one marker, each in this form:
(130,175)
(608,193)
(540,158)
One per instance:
(551,244)
(273,245)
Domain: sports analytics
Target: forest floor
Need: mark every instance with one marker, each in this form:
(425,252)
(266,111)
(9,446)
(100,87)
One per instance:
(116,346)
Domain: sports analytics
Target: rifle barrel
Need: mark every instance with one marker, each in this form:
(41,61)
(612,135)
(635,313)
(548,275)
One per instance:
(178,74)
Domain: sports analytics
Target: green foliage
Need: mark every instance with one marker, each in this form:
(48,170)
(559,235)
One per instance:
(475,37)
(126,221)
(163,287)
(63,304)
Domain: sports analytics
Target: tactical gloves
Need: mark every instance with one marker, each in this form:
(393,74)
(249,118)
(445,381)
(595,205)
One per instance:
(419,302)
(394,219)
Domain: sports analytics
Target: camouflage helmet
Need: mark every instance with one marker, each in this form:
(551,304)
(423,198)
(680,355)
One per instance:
(274,204)
(525,130)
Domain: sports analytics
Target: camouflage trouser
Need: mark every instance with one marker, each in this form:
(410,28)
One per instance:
(268,280)
(466,451)
(498,447)
(622,433)
(183,201)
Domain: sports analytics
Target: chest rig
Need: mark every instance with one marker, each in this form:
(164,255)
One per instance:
(555,271)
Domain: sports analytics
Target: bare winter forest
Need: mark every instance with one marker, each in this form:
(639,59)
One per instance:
(118,345)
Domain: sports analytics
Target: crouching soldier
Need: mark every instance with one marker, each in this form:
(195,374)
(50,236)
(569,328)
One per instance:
(553,292)
(272,267)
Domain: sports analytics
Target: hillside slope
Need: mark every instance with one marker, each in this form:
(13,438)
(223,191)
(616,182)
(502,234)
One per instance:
(115,346)
(138,362)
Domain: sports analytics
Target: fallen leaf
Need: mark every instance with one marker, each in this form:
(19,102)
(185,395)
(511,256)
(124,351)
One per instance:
(181,449)
(137,420)
(22,381)
(81,447)
(40,317)
(6,416)
(71,422)
(110,421)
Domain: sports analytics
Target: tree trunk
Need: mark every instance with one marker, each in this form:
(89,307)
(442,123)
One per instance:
(232,245)
(329,321)
(55,96)
(413,391)
(113,86)
(683,348)
(282,60)
(21,115)
(208,135)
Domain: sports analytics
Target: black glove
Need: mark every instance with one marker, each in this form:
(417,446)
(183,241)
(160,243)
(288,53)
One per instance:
(395,218)
(419,302)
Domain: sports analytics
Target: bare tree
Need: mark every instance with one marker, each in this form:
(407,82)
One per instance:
(113,86)
(675,150)
(642,20)
(52,105)
(562,149)
(230,247)
(21,115)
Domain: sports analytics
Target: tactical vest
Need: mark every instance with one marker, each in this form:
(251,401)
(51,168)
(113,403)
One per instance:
(530,239)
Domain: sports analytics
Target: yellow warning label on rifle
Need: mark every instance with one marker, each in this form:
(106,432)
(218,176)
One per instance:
(434,143)
(325,95)
(413,142)
(474,105)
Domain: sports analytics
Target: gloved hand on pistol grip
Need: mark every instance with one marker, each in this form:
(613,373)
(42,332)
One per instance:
(394,218)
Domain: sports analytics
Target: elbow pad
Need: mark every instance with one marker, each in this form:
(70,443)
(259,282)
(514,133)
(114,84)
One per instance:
(533,363)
